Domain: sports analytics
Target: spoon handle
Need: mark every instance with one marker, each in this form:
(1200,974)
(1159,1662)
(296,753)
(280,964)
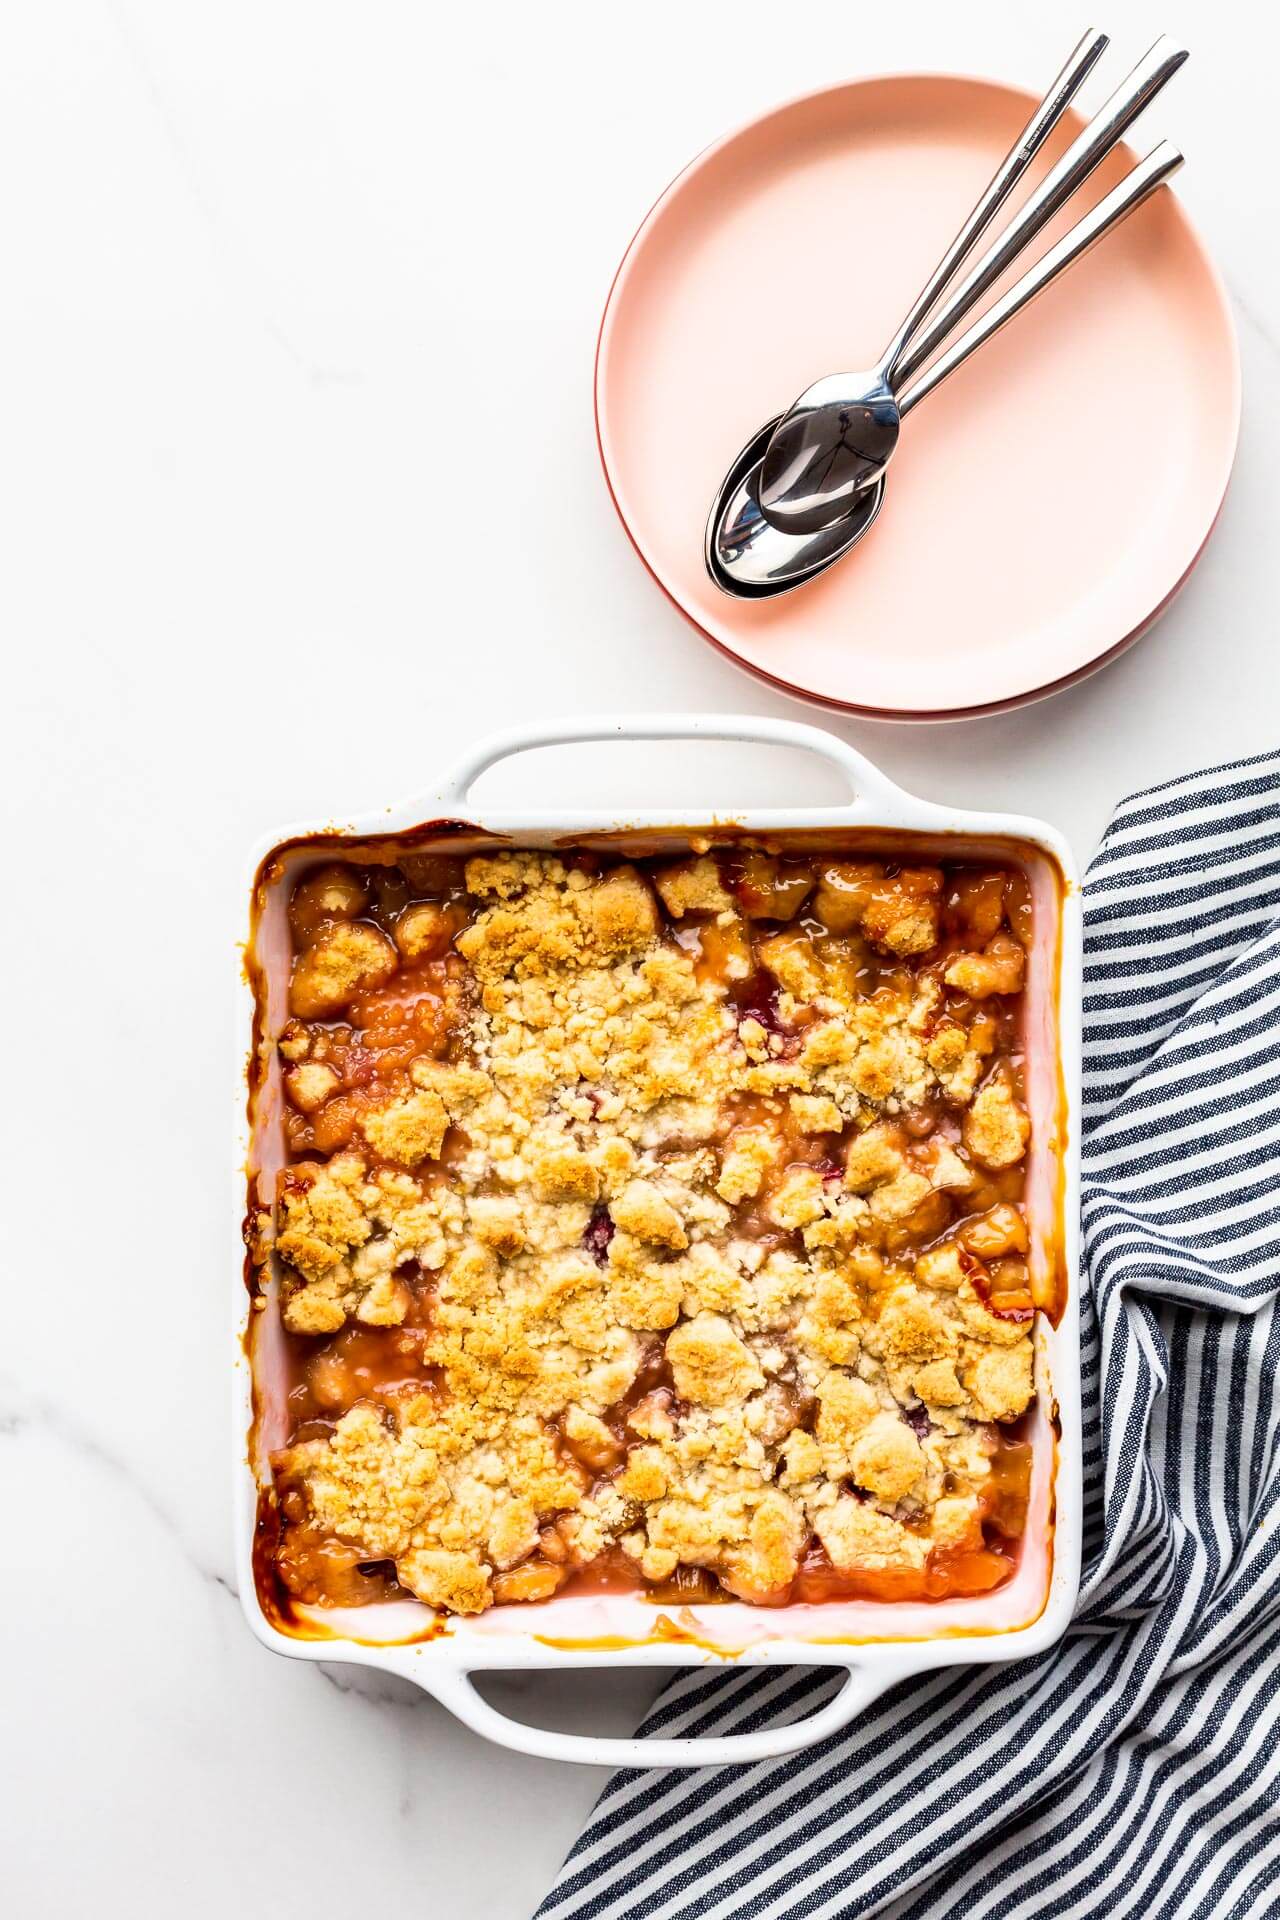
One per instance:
(1089,148)
(1006,177)
(1136,187)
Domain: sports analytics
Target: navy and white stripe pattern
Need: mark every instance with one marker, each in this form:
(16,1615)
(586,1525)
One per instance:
(1134,1770)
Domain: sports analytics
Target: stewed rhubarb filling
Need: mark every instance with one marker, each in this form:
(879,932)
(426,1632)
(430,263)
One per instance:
(653,1223)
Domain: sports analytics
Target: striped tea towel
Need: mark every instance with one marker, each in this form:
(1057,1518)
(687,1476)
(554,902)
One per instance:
(1134,1770)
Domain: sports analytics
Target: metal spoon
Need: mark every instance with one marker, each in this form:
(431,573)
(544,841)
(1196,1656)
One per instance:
(747,556)
(841,433)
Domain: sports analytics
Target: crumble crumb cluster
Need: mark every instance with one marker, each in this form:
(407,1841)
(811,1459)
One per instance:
(654,1221)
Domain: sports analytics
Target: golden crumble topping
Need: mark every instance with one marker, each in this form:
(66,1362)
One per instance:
(655,1224)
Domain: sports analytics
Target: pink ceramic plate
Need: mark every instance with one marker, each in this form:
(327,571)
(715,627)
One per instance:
(1010,557)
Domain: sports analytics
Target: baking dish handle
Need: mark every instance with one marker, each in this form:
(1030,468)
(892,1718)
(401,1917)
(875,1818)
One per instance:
(456,1690)
(866,779)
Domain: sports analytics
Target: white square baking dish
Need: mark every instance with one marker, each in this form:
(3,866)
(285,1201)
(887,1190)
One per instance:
(876,1642)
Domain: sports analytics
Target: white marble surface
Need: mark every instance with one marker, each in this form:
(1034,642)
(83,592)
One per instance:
(257,258)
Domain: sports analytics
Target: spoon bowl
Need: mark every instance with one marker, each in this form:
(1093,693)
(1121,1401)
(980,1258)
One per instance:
(748,557)
(833,443)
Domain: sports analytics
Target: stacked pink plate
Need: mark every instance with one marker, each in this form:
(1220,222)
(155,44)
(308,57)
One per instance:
(1009,559)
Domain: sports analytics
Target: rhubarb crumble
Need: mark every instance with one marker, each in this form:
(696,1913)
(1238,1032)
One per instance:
(653,1223)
